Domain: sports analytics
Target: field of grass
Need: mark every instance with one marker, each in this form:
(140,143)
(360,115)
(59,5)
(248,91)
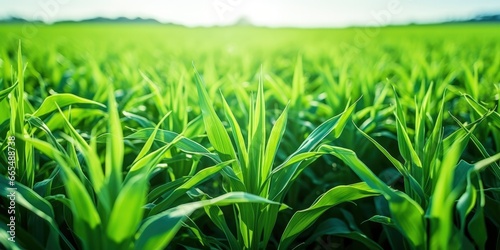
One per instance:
(164,137)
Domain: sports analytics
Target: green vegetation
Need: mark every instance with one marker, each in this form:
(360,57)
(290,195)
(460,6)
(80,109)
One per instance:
(154,137)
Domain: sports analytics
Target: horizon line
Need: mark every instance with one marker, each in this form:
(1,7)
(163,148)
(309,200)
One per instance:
(244,21)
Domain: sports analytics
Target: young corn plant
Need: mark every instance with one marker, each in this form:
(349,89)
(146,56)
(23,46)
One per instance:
(438,184)
(253,168)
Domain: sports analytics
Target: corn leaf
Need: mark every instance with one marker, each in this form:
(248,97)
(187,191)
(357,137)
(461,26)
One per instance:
(407,215)
(303,219)
(158,230)
(51,103)
(130,205)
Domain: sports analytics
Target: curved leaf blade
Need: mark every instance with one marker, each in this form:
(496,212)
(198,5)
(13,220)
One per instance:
(303,219)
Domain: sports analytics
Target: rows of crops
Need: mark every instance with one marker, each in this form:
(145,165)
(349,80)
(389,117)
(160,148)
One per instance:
(153,137)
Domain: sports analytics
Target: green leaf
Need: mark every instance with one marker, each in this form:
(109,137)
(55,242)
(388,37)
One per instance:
(5,92)
(443,199)
(481,110)
(433,145)
(477,225)
(146,163)
(87,221)
(185,144)
(128,210)
(217,217)
(195,180)
(114,148)
(166,188)
(273,143)
(403,171)
(382,220)
(142,121)
(256,142)
(25,166)
(216,131)
(416,187)
(466,202)
(282,175)
(158,230)
(407,215)
(94,167)
(405,145)
(237,134)
(303,219)
(52,103)
(77,115)
(151,139)
(157,96)
(30,200)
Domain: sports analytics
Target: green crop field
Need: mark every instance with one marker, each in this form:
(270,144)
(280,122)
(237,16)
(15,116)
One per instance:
(133,136)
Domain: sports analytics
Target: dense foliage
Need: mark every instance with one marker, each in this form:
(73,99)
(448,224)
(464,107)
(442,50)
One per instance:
(153,137)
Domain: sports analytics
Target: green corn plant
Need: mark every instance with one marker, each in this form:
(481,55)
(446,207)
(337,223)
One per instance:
(435,178)
(253,169)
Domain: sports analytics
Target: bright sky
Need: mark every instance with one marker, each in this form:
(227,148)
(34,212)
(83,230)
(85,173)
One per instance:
(301,13)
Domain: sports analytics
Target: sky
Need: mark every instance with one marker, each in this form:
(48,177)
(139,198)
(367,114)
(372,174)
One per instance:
(273,13)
